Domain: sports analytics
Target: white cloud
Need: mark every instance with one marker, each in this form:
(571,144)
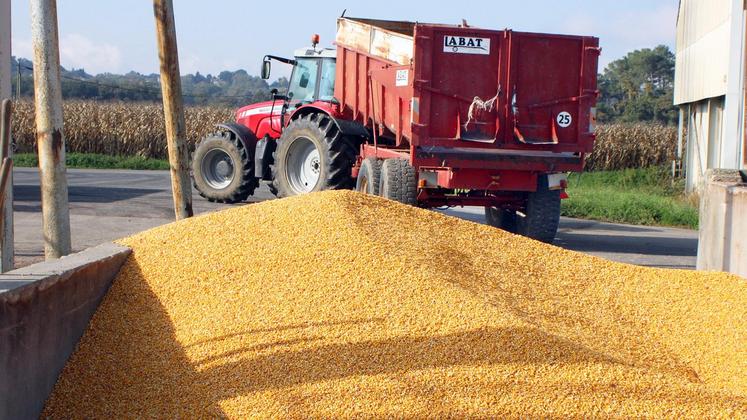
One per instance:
(77,51)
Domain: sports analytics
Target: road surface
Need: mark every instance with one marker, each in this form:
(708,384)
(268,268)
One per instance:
(110,204)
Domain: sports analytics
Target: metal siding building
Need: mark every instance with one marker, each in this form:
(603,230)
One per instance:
(709,85)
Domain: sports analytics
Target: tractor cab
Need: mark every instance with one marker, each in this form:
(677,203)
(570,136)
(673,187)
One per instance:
(312,78)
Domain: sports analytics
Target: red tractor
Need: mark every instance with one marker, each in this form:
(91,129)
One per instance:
(428,115)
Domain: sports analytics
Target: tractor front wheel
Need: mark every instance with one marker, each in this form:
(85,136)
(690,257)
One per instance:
(223,169)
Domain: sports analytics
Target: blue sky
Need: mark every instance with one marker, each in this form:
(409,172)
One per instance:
(119,35)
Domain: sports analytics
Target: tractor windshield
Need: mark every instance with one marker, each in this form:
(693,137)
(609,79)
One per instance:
(302,85)
(312,79)
(327,80)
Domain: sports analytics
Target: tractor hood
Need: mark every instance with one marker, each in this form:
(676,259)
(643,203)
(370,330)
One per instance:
(260,108)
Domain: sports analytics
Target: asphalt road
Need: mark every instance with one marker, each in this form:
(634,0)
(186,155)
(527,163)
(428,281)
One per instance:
(110,204)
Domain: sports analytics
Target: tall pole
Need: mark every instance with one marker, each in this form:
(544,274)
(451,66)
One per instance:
(49,135)
(6,210)
(18,82)
(173,108)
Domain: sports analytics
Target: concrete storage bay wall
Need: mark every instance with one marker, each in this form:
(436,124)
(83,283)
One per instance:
(44,310)
(722,245)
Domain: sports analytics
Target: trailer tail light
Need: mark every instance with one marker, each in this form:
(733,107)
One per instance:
(427,179)
(557,181)
(564,195)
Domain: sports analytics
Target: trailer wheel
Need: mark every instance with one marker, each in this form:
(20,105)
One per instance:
(312,155)
(501,218)
(542,216)
(369,176)
(223,169)
(398,181)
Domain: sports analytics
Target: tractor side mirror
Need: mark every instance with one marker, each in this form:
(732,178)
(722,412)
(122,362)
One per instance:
(266,66)
(304,82)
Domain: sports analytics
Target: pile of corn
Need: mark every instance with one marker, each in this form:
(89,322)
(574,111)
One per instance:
(337,304)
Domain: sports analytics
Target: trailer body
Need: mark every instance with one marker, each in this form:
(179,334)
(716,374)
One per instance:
(471,109)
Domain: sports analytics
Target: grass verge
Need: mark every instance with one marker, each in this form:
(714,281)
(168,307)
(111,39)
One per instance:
(649,196)
(95,161)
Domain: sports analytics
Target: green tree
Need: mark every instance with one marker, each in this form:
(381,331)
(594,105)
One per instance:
(639,87)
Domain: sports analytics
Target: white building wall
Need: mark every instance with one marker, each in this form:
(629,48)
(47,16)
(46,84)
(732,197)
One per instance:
(731,147)
(702,49)
(709,84)
(705,137)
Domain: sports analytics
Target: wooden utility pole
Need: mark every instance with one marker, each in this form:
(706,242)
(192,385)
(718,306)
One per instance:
(49,133)
(6,209)
(173,108)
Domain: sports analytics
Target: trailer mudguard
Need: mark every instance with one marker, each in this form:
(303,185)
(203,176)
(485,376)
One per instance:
(347,127)
(352,128)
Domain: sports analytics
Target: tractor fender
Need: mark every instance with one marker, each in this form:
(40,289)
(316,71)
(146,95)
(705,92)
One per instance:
(245,135)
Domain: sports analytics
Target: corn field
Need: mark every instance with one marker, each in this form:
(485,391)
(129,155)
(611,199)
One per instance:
(621,146)
(122,129)
(137,129)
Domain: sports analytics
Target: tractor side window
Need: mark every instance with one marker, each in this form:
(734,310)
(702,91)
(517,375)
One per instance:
(327,84)
(303,81)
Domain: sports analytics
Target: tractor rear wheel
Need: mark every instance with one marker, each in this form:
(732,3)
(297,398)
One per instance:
(312,155)
(398,181)
(223,169)
(369,176)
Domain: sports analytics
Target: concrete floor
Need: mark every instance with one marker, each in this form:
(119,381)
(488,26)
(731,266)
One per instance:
(110,204)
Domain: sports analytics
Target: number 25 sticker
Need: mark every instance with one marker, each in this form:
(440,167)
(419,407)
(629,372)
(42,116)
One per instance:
(564,119)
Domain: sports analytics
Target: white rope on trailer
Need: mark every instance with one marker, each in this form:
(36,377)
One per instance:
(482,106)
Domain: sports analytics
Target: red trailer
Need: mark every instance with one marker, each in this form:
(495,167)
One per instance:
(429,115)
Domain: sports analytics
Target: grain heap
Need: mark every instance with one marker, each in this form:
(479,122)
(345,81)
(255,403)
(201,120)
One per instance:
(337,304)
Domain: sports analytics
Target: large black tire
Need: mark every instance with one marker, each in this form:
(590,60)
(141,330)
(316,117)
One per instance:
(542,216)
(540,219)
(223,169)
(399,181)
(332,167)
(501,218)
(369,176)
